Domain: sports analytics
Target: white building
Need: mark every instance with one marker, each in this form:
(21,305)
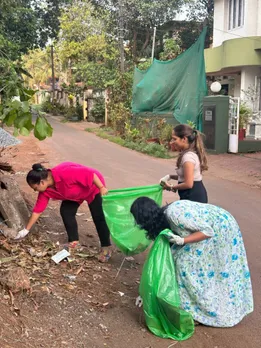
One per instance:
(235,58)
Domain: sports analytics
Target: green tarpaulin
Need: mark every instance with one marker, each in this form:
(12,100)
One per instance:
(176,86)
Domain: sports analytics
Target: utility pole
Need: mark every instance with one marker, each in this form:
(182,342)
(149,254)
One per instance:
(53,82)
(153,45)
(121,43)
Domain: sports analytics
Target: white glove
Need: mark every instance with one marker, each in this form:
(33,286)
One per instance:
(21,234)
(139,302)
(176,239)
(165,178)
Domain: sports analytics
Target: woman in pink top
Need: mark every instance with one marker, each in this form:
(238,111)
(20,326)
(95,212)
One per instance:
(72,184)
(192,161)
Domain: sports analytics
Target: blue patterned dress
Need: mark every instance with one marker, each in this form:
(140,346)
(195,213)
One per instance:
(213,275)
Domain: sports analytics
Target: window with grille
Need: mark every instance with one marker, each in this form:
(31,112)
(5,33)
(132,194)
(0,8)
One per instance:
(236,14)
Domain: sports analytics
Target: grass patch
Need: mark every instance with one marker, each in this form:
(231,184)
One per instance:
(150,149)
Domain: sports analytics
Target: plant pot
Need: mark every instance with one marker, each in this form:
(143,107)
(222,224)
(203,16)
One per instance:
(153,140)
(241,133)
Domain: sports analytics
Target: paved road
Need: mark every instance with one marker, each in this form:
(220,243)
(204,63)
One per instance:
(123,167)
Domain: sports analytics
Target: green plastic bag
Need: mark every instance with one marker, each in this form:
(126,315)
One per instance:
(160,294)
(124,232)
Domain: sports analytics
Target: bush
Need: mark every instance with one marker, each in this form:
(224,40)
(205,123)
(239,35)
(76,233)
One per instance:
(47,106)
(119,116)
(166,134)
(98,111)
(245,114)
(79,112)
(59,109)
(53,108)
(152,149)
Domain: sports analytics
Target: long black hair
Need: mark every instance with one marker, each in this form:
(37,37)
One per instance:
(149,216)
(37,174)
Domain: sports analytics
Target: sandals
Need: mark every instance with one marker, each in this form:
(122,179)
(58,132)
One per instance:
(73,245)
(105,254)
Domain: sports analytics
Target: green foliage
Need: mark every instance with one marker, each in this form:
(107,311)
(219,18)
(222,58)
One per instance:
(192,124)
(245,114)
(96,74)
(27,24)
(119,113)
(189,33)
(144,65)
(98,111)
(131,133)
(47,106)
(42,128)
(38,62)
(203,11)
(154,127)
(79,112)
(166,134)
(140,16)
(24,24)
(154,150)
(59,109)
(119,116)
(171,50)
(84,46)
(15,108)
(48,14)
(120,101)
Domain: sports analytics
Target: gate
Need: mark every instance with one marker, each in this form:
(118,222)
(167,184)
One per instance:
(233,124)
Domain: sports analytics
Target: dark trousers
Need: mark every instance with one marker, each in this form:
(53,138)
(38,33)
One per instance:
(68,212)
(197,193)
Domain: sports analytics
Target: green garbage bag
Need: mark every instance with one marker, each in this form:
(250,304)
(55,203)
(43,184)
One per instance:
(160,294)
(124,232)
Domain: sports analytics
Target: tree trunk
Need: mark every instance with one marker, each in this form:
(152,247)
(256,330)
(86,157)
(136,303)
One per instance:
(134,46)
(147,40)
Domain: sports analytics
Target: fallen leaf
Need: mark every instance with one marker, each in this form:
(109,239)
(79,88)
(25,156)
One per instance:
(97,276)
(7,259)
(84,255)
(69,286)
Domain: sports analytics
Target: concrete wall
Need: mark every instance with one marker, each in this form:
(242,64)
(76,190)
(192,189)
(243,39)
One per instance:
(233,53)
(248,74)
(237,86)
(251,26)
(245,146)
(219,23)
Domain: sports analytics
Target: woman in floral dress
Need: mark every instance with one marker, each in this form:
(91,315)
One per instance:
(209,255)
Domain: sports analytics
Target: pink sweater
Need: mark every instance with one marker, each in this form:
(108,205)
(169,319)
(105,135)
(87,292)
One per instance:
(73,182)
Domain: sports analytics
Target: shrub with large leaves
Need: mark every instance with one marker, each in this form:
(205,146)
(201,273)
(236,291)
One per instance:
(15,107)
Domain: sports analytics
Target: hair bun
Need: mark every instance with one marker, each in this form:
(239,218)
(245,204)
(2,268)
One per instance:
(38,167)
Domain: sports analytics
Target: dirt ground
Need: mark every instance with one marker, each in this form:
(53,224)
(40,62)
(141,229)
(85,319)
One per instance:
(59,304)
(79,303)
